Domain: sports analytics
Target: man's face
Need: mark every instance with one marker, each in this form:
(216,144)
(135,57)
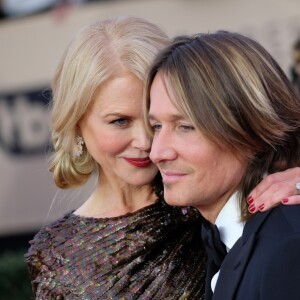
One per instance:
(195,171)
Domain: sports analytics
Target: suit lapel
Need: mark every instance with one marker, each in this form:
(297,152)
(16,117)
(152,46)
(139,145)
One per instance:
(237,259)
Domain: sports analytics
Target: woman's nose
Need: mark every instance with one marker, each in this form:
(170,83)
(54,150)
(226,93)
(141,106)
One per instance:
(141,138)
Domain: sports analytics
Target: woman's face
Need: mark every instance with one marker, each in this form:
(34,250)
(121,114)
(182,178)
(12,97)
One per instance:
(114,132)
(195,171)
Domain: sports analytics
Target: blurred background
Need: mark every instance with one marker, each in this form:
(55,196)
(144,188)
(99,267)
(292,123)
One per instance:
(33,35)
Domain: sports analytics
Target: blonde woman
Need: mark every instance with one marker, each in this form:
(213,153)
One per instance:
(124,242)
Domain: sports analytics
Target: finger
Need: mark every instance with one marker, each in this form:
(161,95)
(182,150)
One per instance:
(253,208)
(293,200)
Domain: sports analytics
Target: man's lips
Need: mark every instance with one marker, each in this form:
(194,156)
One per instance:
(139,162)
(172,176)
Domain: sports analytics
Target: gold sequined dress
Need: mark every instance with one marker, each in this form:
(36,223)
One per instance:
(153,253)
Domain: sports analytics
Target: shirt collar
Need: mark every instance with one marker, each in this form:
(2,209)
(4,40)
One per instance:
(228,222)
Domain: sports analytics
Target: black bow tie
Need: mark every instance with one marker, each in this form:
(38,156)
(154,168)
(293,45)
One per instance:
(215,248)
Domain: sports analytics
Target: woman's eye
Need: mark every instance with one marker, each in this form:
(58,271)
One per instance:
(120,122)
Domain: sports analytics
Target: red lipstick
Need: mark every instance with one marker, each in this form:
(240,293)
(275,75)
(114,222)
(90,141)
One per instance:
(139,162)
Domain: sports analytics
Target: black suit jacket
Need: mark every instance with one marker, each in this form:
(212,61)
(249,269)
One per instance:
(264,264)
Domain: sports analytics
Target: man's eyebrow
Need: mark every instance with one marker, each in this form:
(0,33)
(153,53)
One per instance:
(151,117)
(173,117)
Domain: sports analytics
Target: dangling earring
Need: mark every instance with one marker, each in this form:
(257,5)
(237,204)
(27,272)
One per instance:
(79,146)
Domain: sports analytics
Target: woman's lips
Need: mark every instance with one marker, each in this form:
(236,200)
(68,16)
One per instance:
(139,162)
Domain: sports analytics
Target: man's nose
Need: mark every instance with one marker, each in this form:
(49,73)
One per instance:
(162,148)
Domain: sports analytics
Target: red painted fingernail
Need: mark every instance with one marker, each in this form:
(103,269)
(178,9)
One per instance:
(250,200)
(251,208)
(285,200)
(261,207)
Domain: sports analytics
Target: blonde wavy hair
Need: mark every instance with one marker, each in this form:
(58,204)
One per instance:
(97,53)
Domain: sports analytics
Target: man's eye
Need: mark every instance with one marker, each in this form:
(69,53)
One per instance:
(186,127)
(156,127)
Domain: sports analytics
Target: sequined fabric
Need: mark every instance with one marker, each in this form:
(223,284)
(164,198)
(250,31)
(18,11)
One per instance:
(154,253)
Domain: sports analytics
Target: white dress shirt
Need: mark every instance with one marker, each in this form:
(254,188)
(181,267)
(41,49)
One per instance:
(230,227)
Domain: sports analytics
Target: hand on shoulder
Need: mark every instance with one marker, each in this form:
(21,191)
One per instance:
(275,189)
